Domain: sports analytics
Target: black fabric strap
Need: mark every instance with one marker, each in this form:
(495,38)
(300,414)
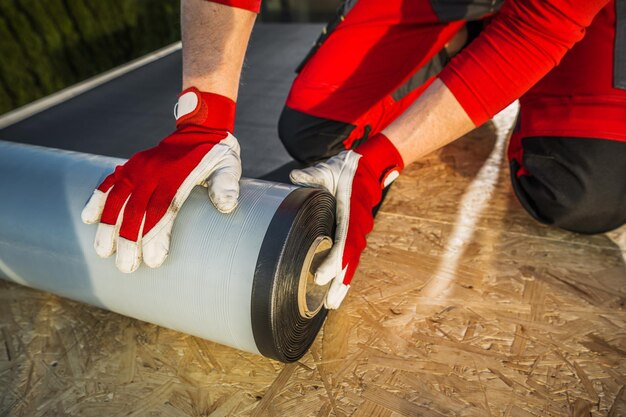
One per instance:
(451,10)
(619,69)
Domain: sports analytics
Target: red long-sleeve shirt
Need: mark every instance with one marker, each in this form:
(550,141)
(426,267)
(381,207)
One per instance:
(525,40)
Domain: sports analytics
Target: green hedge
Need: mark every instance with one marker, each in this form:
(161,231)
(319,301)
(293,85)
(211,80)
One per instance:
(50,44)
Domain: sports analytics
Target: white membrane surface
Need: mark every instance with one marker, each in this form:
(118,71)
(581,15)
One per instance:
(204,286)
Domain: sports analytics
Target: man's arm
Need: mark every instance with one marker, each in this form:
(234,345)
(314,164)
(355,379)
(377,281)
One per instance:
(433,121)
(215,37)
(137,204)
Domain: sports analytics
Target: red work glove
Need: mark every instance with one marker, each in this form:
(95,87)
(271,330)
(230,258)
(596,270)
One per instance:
(356,179)
(136,205)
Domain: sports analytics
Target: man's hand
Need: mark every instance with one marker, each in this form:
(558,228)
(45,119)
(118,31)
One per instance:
(356,179)
(136,205)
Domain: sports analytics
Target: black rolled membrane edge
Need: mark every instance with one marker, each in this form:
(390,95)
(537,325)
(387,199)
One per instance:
(279,331)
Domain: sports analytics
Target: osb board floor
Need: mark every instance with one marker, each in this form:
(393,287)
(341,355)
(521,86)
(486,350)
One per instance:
(462,306)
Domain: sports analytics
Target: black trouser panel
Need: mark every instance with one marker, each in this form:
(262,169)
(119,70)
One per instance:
(578,184)
(310,139)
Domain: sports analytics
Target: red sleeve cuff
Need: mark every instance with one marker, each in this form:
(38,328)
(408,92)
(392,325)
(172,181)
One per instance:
(252,5)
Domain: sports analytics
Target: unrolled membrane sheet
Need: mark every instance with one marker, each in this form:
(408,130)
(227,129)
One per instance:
(238,279)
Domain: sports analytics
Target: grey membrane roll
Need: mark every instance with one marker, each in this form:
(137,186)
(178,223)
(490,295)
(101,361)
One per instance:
(242,279)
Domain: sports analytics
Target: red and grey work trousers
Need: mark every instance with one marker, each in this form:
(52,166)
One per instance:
(568,153)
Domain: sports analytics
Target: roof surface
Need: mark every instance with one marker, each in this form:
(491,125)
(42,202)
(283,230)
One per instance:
(135,111)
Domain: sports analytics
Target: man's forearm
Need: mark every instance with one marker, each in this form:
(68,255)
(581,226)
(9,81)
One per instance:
(215,38)
(434,120)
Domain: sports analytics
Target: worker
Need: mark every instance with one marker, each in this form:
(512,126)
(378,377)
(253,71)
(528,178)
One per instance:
(380,90)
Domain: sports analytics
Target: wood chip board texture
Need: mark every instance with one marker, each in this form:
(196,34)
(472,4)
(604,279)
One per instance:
(462,306)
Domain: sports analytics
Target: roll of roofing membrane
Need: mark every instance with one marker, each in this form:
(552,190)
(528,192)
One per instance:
(241,279)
